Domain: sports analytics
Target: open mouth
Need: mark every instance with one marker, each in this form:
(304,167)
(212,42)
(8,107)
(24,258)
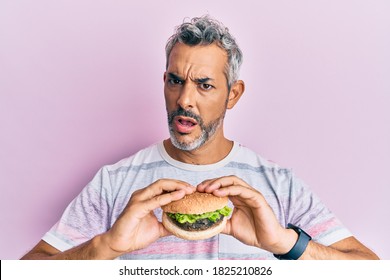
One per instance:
(186,121)
(185,124)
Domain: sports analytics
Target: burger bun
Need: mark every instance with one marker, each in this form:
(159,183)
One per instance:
(195,203)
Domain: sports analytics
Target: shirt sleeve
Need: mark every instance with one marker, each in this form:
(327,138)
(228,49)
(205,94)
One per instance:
(85,217)
(308,212)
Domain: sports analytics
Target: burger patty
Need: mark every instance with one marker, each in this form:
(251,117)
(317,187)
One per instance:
(201,224)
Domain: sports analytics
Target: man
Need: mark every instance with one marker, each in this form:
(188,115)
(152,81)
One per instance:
(118,214)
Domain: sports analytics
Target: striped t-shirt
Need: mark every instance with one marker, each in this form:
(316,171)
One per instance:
(99,204)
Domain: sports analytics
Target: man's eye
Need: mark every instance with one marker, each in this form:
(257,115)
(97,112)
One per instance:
(205,86)
(175,82)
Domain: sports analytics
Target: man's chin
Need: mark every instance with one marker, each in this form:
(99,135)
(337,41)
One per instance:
(187,145)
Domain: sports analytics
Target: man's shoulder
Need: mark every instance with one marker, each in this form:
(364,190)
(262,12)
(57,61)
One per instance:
(253,158)
(147,155)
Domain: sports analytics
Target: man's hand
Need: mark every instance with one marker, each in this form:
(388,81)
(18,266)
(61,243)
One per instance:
(253,221)
(137,226)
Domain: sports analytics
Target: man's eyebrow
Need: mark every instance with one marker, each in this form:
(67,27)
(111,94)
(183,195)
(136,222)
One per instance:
(198,80)
(174,77)
(203,80)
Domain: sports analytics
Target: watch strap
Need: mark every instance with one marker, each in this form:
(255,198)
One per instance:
(299,247)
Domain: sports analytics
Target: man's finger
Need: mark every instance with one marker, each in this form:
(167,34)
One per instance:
(246,196)
(163,199)
(210,186)
(161,186)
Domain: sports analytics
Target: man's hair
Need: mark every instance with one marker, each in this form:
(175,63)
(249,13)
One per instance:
(206,31)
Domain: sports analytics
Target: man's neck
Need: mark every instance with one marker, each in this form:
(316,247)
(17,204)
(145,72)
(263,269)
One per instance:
(209,153)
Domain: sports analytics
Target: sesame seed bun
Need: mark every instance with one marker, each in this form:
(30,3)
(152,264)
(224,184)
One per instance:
(195,203)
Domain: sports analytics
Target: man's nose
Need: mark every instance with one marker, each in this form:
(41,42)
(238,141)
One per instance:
(187,98)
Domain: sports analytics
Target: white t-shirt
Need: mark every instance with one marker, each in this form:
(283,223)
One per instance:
(99,204)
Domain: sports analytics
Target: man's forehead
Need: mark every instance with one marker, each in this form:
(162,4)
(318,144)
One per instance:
(203,59)
(212,49)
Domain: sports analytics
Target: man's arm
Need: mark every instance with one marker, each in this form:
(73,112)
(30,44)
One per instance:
(90,250)
(42,251)
(137,226)
(252,212)
(346,249)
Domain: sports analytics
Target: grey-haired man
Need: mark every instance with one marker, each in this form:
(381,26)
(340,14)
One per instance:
(275,215)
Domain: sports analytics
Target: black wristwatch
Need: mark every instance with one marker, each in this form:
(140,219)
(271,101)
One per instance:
(299,247)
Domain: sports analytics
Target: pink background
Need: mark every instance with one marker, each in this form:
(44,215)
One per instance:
(81,86)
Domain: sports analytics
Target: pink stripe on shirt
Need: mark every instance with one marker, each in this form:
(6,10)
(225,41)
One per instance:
(323,227)
(185,247)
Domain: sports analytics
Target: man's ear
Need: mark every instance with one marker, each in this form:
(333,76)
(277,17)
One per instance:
(236,91)
(165,76)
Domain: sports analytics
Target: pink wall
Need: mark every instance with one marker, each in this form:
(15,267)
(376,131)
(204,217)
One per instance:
(81,86)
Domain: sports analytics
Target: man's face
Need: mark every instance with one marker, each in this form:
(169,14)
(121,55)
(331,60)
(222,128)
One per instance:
(196,94)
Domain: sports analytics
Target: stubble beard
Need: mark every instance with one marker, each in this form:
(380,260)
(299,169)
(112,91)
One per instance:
(207,130)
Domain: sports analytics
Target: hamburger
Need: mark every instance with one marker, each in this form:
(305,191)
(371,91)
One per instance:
(196,216)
